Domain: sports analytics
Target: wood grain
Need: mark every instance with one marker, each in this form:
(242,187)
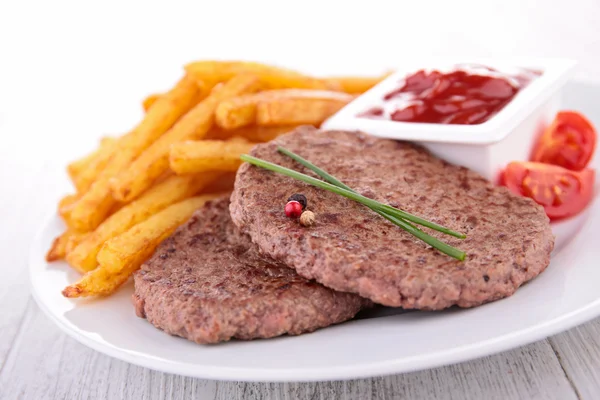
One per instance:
(579,353)
(50,365)
(17,216)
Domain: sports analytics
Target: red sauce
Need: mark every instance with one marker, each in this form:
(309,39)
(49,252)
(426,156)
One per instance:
(458,97)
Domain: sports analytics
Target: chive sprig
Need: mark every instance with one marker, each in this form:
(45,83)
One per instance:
(407,226)
(397,217)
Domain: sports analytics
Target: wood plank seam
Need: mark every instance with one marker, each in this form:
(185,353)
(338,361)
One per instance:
(567,376)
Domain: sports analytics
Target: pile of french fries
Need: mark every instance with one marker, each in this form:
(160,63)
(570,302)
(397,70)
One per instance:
(135,190)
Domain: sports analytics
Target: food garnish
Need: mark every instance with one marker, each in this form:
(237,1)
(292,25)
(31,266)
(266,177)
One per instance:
(557,177)
(293,209)
(562,193)
(307,218)
(568,142)
(300,198)
(394,215)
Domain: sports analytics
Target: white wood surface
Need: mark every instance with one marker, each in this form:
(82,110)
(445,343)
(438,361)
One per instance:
(37,361)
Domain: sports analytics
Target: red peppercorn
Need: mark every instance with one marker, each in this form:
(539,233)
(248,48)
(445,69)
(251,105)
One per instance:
(293,209)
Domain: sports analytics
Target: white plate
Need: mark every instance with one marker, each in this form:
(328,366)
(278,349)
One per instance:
(381,342)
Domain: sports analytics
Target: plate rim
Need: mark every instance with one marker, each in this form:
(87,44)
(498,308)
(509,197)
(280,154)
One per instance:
(440,358)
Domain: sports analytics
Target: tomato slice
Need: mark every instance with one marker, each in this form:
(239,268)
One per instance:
(561,192)
(569,142)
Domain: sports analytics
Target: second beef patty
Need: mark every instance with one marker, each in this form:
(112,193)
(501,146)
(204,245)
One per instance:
(208,283)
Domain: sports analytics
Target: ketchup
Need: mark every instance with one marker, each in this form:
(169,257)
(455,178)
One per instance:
(458,97)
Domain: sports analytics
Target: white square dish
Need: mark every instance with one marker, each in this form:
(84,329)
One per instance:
(486,147)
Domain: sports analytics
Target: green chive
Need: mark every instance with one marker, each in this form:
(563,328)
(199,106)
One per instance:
(374,205)
(401,214)
(430,240)
(407,226)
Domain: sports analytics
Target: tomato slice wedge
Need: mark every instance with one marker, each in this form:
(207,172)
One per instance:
(569,142)
(562,193)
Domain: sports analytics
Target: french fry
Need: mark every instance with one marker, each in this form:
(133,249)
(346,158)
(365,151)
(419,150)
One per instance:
(356,84)
(128,199)
(83,172)
(298,111)
(99,282)
(72,242)
(194,125)
(95,204)
(241,111)
(58,249)
(157,198)
(237,112)
(150,100)
(272,77)
(257,134)
(208,155)
(139,242)
(66,204)
(122,255)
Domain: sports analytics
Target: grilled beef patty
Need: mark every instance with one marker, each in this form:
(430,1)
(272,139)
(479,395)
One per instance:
(208,283)
(352,249)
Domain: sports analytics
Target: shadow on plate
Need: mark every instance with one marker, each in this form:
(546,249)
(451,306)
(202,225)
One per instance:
(380,311)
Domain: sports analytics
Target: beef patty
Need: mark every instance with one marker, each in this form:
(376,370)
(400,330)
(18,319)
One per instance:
(352,249)
(209,284)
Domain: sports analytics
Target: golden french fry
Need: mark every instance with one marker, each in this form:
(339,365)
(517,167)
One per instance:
(72,242)
(66,204)
(257,134)
(99,282)
(76,167)
(124,254)
(157,198)
(356,84)
(194,125)
(57,249)
(272,77)
(298,111)
(60,245)
(150,100)
(241,111)
(95,204)
(139,242)
(208,155)
(83,172)
(237,112)
(261,134)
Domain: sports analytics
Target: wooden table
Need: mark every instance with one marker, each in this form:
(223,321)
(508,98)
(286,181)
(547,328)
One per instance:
(38,361)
